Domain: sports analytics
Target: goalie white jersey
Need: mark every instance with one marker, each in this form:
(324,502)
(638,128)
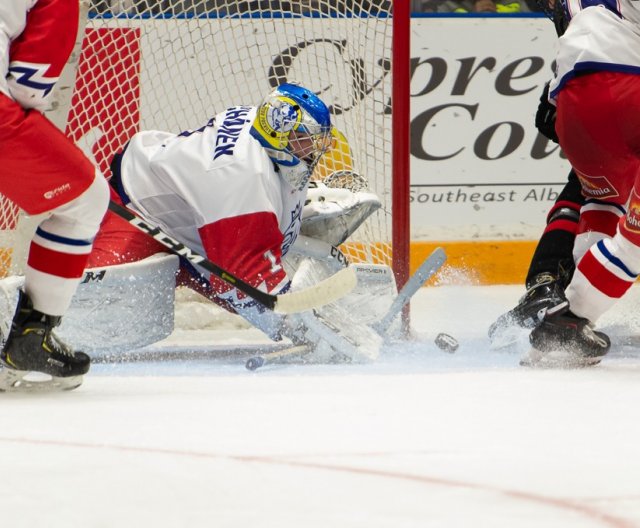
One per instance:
(601,36)
(216,190)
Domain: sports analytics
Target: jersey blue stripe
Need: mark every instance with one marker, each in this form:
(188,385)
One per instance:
(614,260)
(23,76)
(62,240)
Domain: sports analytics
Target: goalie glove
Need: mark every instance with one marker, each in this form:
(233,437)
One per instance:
(333,214)
(332,340)
(332,331)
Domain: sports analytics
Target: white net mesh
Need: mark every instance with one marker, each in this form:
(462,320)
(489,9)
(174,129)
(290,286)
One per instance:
(171,65)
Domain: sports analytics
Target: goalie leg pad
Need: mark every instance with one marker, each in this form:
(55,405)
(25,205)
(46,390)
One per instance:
(122,307)
(342,328)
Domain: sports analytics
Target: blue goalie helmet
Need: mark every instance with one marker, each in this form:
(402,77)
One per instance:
(294,126)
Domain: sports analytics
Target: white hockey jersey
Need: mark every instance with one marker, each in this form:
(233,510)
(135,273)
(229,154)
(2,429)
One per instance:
(602,35)
(36,39)
(216,190)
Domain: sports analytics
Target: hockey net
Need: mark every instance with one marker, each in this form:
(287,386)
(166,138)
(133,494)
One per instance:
(172,64)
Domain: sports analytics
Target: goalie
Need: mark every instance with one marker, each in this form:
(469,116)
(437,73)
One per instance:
(237,190)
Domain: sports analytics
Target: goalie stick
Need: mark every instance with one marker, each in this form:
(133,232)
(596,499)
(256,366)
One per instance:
(256,362)
(427,269)
(325,292)
(324,251)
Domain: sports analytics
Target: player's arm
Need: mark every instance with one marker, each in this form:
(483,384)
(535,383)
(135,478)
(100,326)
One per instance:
(38,55)
(249,246)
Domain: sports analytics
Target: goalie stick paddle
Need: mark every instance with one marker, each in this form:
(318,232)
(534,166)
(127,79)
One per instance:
(427,269)
(325,292)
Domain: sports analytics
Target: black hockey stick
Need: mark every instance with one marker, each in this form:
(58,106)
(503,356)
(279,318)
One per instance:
(320,294)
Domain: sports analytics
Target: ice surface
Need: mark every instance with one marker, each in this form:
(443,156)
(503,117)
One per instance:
(421,438)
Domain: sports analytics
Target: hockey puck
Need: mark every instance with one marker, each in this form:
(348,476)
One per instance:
(254,363)
(447,343)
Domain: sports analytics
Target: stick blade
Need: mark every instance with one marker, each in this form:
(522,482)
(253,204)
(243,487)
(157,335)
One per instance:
(429,267)
(325,292)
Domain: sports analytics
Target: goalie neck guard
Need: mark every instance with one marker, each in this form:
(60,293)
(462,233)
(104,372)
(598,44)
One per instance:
(289,117)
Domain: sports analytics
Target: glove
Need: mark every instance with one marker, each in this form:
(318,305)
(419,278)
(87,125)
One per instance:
(332,214)
(338,340)
(546,116)
(336,332)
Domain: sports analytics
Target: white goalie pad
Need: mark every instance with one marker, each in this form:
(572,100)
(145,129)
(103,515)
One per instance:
(310,260)
(345,324)
(123,307)
(333,214)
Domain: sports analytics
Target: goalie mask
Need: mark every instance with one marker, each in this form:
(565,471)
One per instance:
(294,126)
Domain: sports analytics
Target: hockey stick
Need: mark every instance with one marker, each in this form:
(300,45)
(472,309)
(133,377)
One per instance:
(325,292)
(427,269)
(255,362)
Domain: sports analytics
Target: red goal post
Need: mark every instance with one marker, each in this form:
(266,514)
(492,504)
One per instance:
(170,65)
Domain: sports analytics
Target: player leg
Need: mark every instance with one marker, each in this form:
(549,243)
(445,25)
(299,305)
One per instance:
(553,254)
(550,270)
(44,173)
(598,132)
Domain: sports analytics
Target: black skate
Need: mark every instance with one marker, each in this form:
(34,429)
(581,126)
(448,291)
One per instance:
(32,347)
(567,341)
(545,295)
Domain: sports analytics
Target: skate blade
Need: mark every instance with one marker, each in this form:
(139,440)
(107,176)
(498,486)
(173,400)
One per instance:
(557,360)
(26,381)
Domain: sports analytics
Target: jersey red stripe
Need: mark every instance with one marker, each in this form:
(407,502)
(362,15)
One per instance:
(564,225)
(56,263)
(601,278)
